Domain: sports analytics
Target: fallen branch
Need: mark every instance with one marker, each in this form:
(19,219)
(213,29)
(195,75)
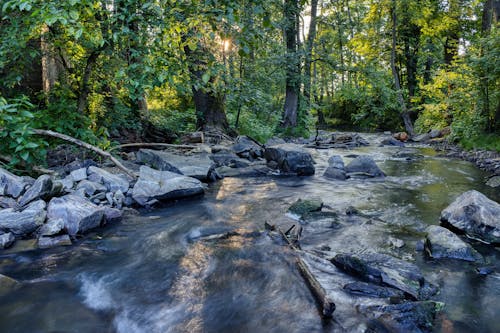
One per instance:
(86,145)
(147,144)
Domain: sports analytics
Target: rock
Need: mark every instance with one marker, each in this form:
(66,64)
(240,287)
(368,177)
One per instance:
(67,183)
(118,199)
(113,182)
(302,207)
(247,148)
(395,242)
(48,242)
(364,165)
(90,187)
(112,215)
(335,168)
(198,166)
(52,227)
(421,138)
(6,240)
(22,223)
(420,246)
(408,155)
(351,210)
(7,202)
(405,317)
(386,270)
(11,184)
(229,159)
(400,136)
(79,214)
(164,185)
(41,189)
(78,174)
(274,141)
(109,198)
(343,140)
(442,243)
(392,142)
(371,290)
(494,181)
(435,133)
(445,131)
(475,215)
(7,284)
(290,159)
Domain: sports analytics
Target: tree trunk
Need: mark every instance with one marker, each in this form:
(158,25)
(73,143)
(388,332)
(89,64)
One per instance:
(50,70)
(291,106)
(84,85)
(404,111)
(309,48)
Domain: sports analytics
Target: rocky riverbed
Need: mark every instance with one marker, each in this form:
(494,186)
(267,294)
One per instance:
(368,263)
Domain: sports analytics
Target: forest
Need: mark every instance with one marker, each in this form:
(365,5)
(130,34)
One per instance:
(114,71)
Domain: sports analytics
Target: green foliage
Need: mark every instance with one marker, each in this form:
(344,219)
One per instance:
(18,143)
(488,142)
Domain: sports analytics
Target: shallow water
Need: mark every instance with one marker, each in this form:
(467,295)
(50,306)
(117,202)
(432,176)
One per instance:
(155,273)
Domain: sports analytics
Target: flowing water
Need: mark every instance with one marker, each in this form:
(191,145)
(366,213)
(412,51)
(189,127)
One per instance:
(156,273)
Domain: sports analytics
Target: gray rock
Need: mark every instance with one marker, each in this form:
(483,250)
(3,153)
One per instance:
(52,227)
(109,198)
(164,185)
(372,290)
(494,181)
(229,159)
(11,184)
(336,169)
(364,165)
(79,215)
(90,187)
(7,284)
(78,174)
(442,243)
(7,202)
(475,215)
(247,148)
(113,182)
(41,189)
(421,138)
(67,183)
(22,223)
(274,141)
(386,270)
(290,159)
(395,242)
(112,215)
(118,199)
(335,161)
(6,240)
(198,166)
(392,142)
(45,242)
(302,207)
(435,133)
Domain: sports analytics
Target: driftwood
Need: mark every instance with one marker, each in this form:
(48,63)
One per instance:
(86,145)
(326,305)
(148,144)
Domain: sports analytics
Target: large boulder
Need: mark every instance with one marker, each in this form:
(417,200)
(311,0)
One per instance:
(386,270)
(11,184)
(41,189)
(442,243)
(79,214)
(24,222)
(6,240)
(475,215)
(290,159)
(198,166)
(164,185)
(247,148)
(364,166)
(336,168)
(113,182)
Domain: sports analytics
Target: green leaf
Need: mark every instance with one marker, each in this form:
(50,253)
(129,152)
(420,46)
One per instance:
(25,156)
(205,77)
(31,145)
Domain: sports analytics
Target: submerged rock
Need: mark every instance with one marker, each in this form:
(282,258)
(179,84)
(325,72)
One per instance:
(475,215)
(442,243)
(302,207)
(45,242)
(404,318)
(11,184)
(24,222)
(365,166)
(41,189)
(288,158)
(7,284)
(79,214)
(164,185)
(494,181)
(6,240)
(372,290)
(386,270)
(392,142)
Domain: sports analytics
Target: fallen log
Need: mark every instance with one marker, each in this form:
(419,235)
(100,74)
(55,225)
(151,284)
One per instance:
(149,144)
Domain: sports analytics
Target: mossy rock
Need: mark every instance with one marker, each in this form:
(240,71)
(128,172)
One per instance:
(303,207)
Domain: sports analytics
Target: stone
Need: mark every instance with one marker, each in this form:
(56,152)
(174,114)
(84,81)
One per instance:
(198,166)
(90,187)
(302,207)
(336,169)
(400,136)
(421,138)
(109,198)
(372,290)
(404,317)
(52,227)
(365,166)
(41,189)
(45,242)
(395,242)
(79,214)
(229,159)
(494,181)
(164,185)
(290,159)
(442,243)
(274,141)
(6,240)
(11,184)
(78,174)
(247,148)
(335,161)
(24,222)
(67,183)
(8,202)
(112,215)
(392,142)
(113,182)
(7,284)
(118,199)
(435,133)
(386,270)
(475,215)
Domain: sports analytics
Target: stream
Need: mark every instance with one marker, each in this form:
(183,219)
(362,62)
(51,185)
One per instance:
(155,273)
